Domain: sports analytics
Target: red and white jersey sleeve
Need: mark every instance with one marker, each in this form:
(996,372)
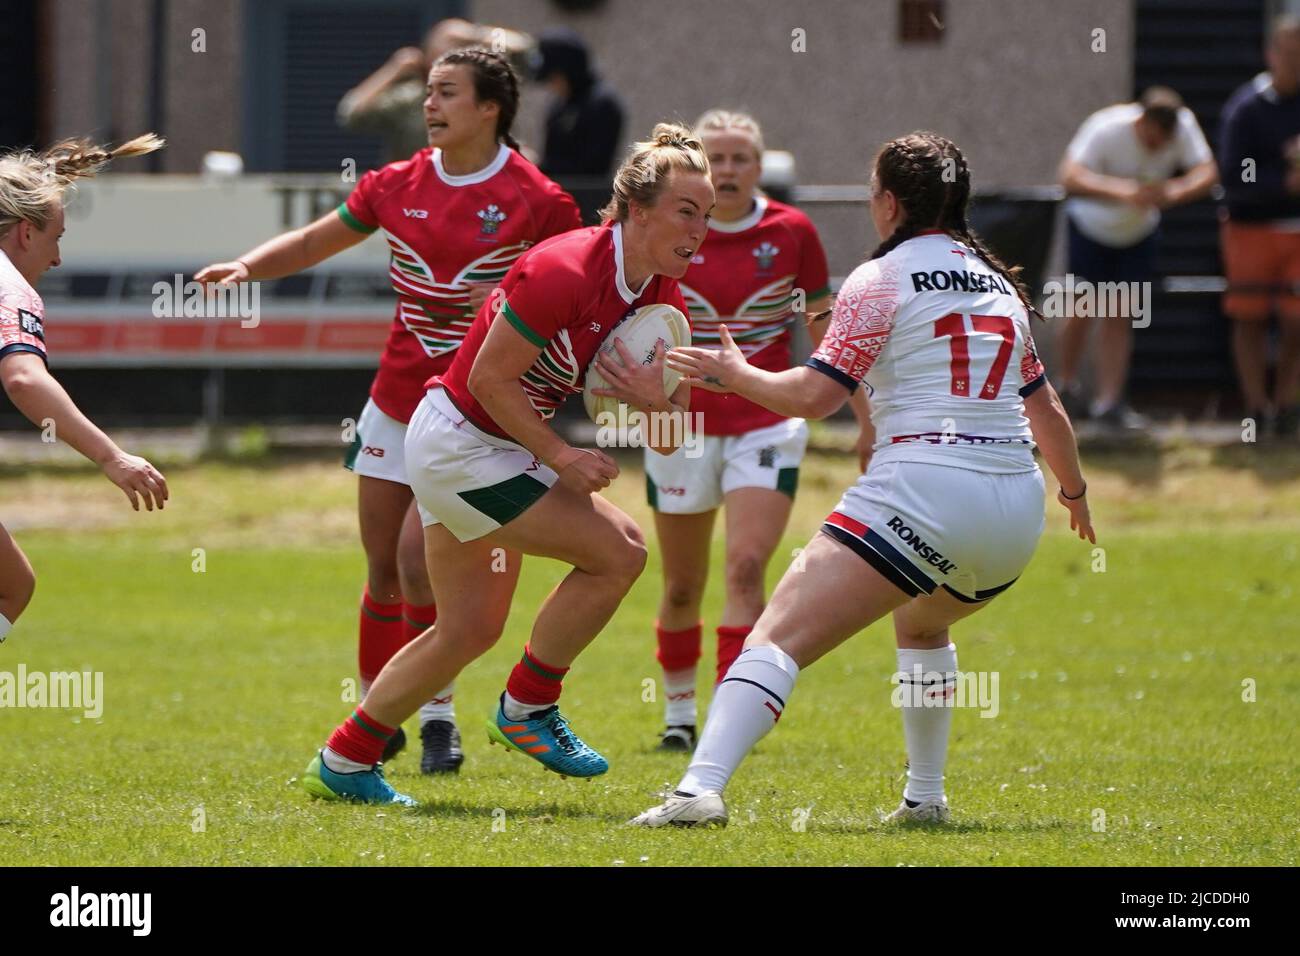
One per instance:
(942,342)
(1032,374)
(22,313)
(861,321)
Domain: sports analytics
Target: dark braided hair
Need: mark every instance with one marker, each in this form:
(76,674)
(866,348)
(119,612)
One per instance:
(912,167)
(494,80)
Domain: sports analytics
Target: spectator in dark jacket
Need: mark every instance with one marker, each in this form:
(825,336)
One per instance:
(1259,153)
(584,124)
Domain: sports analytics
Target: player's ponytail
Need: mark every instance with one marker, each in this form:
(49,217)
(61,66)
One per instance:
(494,81)
(931,179)
(32,183)
(642,174)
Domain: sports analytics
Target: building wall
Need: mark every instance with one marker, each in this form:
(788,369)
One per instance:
(103,68)
(1010,82)
(202,105)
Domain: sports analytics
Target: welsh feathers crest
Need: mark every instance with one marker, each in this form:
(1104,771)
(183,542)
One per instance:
(492,218)
(765,254)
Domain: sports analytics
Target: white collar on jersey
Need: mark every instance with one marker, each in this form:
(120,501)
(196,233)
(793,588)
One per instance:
(10,271)
(1263,84)
(938,234)
(747,221)
(620,277)
(469,179)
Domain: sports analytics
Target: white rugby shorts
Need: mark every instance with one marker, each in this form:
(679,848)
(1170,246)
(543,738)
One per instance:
(684,483)
(925,526)
(465,479)
(378,449)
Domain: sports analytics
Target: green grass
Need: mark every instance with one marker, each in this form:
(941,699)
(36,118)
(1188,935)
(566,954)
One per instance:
(1120,691)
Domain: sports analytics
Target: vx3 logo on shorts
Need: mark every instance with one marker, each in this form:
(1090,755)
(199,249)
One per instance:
(925,551)
(372,450)
(669,490)
(416,213)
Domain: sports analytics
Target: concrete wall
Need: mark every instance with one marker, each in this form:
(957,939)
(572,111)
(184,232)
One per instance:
(103,67)
(1010,81)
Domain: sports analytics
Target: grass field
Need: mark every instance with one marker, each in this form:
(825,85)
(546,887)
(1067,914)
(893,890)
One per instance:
(1120,691)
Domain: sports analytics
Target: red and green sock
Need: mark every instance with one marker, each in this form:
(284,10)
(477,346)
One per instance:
(678,652)
(360,739)
(533,686)
(381,636)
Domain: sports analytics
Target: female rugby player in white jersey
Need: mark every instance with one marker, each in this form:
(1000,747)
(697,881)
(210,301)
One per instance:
(761,259)
(32,190)
(951,507)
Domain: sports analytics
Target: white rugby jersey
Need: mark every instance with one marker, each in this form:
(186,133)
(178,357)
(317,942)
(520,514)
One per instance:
(942,342)
(22,313)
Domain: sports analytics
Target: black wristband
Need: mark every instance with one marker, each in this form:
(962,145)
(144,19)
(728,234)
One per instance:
(1061,489)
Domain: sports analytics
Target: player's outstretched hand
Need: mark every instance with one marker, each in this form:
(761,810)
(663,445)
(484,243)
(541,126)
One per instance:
(138,479)
(225,273)
(714,370)
(589,471)
(1080,519)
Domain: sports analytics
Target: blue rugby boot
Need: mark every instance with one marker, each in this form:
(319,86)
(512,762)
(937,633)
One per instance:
(545,736)
(364,786)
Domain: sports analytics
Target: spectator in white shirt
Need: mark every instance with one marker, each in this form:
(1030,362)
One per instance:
(1119,173)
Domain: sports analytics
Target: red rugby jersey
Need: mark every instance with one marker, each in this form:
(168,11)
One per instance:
(744,276)
(445,232)
(565,296)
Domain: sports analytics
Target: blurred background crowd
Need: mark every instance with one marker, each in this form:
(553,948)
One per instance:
(1151,143)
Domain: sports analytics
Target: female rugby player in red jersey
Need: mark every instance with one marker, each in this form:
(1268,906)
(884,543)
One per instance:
(761,260)
(32,190)
(950,510)
(456,215)
(495,482)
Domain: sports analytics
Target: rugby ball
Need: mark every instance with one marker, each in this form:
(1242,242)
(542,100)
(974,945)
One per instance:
(638,332)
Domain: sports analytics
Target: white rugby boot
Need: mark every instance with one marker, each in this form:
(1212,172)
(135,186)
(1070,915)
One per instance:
(704,809)
(928,811)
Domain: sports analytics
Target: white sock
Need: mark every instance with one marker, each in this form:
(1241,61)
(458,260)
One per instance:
(679,697)
(341,764)
(926,728)
(517,710)
(441,707)
(746,705)
(5,627)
